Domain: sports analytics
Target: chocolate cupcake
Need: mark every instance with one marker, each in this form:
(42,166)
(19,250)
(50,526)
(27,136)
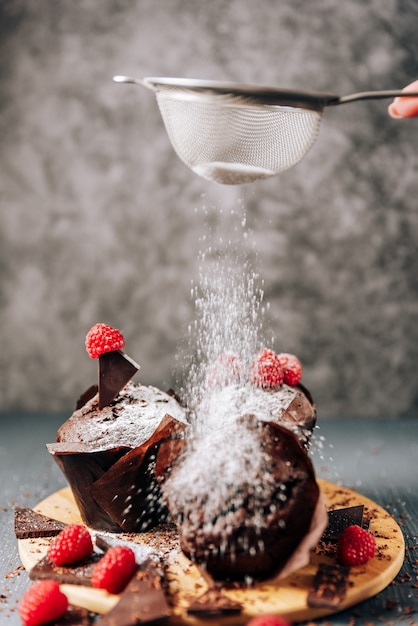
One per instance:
(107,448)
(269,387)
(244,498)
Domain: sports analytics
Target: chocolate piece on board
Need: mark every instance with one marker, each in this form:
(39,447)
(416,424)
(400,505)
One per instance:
(28,524)
(115,370)
(213,603)
(75,616)
(329,586)
(77,574)
(143,601)
(340,519)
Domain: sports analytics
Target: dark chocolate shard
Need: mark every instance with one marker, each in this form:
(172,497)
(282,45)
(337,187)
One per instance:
(340,519)
(28,524)
(142,602)
(115,369)
(77,574)
(213,603)
(329,586)
(86,396)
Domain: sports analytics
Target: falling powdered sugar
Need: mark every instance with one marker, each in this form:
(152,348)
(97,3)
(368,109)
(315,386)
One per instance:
(228,323)
(240,488)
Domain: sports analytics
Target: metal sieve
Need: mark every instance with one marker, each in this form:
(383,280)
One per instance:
(233,133)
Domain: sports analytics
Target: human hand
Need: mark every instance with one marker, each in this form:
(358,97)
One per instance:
(405,107)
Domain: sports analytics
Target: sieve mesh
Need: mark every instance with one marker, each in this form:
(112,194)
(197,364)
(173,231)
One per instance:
(230,141)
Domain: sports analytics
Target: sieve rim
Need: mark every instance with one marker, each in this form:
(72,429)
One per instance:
(195,89)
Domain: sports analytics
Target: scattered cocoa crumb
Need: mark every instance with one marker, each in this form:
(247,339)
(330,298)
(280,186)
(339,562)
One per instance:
(15,572)
(390,604)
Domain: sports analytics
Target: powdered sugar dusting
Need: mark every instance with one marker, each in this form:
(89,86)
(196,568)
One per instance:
(219,471)
(225,458)
(130,420)
(231,401)
(228,479)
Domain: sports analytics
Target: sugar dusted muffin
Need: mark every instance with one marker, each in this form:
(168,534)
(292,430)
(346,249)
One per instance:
(107,448)
(244,498)
(271,390)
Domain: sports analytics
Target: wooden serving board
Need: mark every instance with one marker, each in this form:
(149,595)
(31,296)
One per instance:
(288,597)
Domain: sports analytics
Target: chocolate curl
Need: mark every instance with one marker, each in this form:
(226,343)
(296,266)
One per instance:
(115,369)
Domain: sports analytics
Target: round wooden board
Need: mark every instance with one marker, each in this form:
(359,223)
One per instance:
(286,597)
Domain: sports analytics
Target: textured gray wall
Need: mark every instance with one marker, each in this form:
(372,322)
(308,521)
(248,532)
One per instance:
(100,221)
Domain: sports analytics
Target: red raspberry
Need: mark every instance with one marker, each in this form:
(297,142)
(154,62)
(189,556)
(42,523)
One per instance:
(355,546)
(226,370)
(42,603)
(71,545)
(292,368)
(114,570)
(268,620)
(266,369)
(103,338)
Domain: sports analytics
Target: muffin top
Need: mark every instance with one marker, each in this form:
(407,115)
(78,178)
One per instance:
(288,406)
(129,420)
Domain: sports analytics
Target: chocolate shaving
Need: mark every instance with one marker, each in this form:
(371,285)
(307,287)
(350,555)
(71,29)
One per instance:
(329,586)
(28,524)
(115,369)
(340,519)
(213,603)
(143,601)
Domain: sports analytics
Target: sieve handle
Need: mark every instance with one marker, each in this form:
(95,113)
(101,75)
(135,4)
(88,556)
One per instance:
(372,95)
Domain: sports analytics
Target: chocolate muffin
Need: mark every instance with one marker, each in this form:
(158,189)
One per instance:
(108,456)
(244,498)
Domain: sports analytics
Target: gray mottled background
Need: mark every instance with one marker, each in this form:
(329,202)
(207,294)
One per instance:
(100,221)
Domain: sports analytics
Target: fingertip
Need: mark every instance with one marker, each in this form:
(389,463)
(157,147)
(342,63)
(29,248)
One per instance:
(405,106)
(393,111)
